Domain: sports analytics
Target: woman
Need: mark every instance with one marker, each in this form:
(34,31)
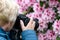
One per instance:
(8,14)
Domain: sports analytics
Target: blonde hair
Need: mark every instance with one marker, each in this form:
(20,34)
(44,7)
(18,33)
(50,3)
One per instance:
(8,11)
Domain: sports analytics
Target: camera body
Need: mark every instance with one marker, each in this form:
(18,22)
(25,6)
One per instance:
(16,31)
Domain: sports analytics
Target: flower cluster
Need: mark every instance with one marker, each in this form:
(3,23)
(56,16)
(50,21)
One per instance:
(45,16)
(53,3)
(49,35)
(24,4)
(56,27)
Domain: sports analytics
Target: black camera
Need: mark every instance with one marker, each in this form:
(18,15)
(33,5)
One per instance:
(16,31)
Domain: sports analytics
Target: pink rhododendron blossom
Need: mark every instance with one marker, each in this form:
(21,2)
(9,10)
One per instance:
(42,36)
(24,4)
(37,8)
(42,25)
(49,15)
(49,35)
(53,3)
(56,27)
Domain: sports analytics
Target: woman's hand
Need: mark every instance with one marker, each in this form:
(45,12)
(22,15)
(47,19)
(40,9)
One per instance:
(30,25)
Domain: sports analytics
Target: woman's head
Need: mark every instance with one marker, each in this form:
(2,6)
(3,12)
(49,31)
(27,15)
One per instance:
(8,11)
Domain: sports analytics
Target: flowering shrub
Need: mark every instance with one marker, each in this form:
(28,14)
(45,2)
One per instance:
(49,35)
(48,14)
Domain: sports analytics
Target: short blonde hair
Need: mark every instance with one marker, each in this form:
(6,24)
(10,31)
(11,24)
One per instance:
(8,11)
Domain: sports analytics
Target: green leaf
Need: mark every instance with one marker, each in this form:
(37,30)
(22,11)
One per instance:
(41,3)
(30,9)
(55,9)
(57,38)
(46,6)
(58,0)
(57,17)
(50,26)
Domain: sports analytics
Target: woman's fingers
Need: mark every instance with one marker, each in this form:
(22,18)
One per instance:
(33,25)
(22,24)
(30,26)
(30,22)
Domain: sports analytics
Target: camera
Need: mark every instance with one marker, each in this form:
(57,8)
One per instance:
(16,30)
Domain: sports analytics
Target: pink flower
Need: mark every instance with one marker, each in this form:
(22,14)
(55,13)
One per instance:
(35,15)
(49,35)
(22,10)
(42,36)
(56,27)
(30,15)
(37,8)
(49,15)
(53,3)
(42,24)
(25,4)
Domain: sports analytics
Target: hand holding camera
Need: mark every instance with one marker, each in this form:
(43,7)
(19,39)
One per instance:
(30,25)
(23,23)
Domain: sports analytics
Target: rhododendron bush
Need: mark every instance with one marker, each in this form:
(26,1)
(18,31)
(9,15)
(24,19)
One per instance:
(48,14)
